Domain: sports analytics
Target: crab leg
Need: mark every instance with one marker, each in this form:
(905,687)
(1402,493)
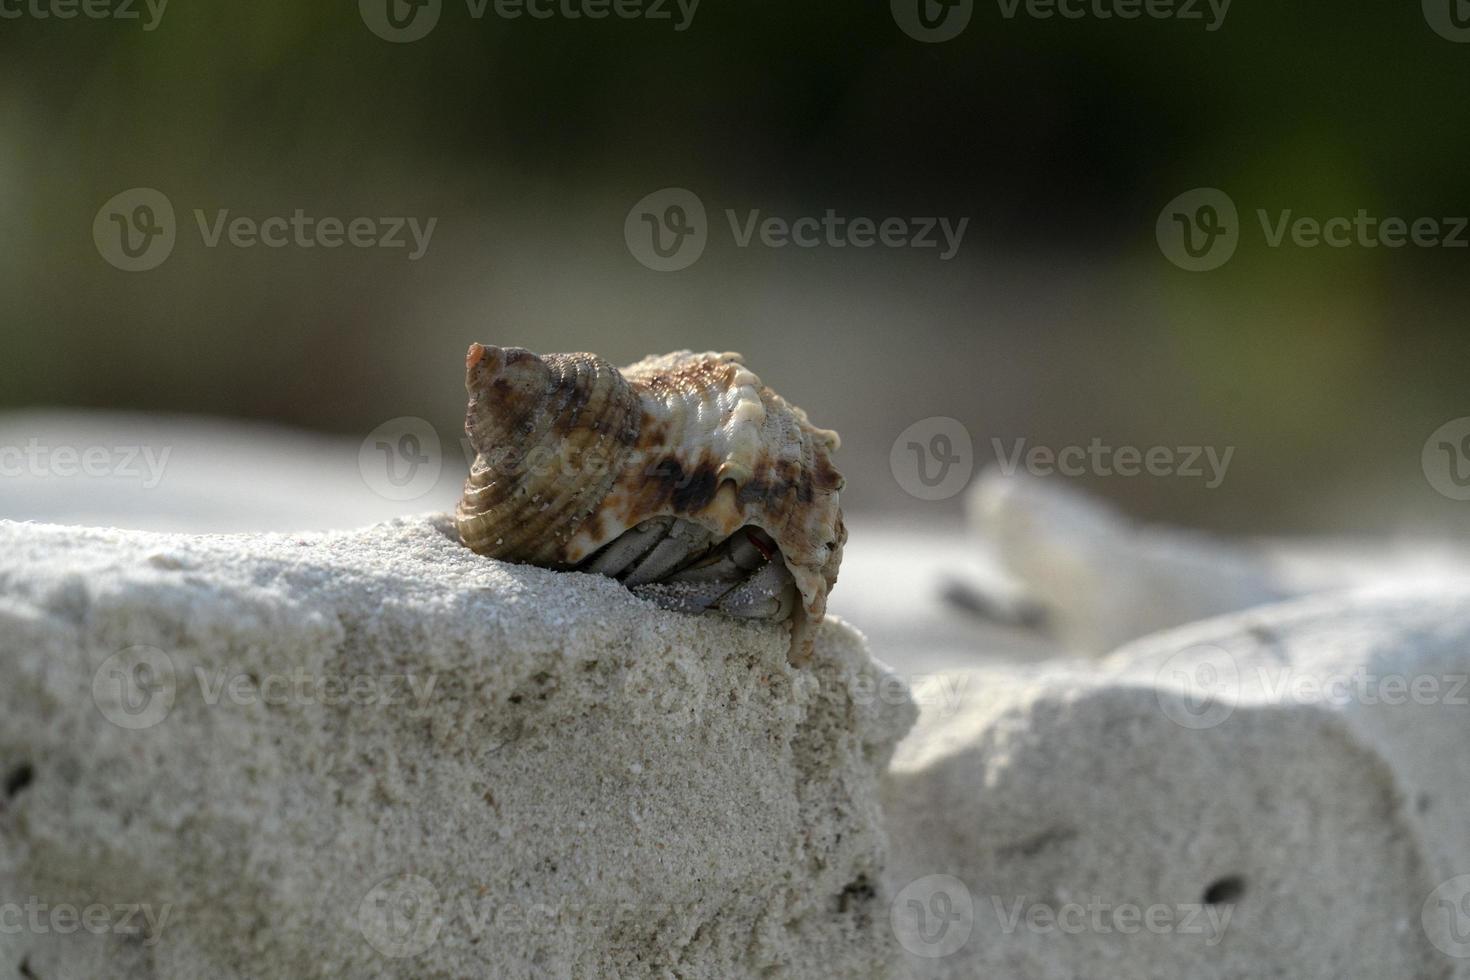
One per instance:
(768,594)
(684,597)
(670,562)
(630,548)
(684,540)
(729,563)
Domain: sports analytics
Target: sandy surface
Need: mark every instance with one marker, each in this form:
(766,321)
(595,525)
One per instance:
(374,753)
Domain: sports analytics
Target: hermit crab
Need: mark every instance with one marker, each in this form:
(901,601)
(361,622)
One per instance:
(681,476)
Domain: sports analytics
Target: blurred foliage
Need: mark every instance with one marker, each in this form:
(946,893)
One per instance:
(1061,139)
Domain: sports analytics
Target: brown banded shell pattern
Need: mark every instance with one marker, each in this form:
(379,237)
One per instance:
(551,435)
(571,453)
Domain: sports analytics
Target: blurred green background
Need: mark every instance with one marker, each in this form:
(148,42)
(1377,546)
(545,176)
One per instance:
(1059,321)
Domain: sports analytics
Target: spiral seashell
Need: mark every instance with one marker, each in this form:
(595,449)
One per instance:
(682,475)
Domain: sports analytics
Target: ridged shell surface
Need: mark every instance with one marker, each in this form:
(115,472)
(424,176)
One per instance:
(572,452)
